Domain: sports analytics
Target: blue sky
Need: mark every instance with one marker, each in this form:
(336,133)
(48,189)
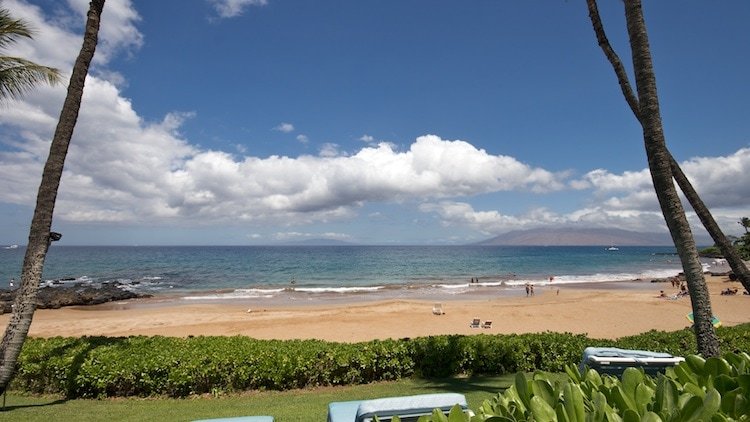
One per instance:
(409,122)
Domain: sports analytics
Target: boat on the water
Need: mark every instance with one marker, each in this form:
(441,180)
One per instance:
(613,248)
(11,247)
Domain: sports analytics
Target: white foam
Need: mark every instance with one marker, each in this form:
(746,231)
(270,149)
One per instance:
(596,278)
(230,295)
(338,289)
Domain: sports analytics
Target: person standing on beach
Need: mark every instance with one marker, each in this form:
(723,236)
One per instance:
(528,289)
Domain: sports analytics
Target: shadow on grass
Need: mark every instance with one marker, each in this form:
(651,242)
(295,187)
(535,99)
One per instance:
(492,385)
(6,408)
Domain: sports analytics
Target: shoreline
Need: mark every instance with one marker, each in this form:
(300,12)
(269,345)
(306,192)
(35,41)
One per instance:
(602,311)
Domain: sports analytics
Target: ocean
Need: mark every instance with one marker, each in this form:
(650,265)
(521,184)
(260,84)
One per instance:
(346,273)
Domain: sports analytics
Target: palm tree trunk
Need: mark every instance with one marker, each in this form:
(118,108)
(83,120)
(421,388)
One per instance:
(659,162)
(727,249)
(41,223)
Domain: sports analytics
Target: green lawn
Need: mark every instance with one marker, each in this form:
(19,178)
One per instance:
(296,405)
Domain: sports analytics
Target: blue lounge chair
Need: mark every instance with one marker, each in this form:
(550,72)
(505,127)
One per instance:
(240,419)
(614,361)
(407,408)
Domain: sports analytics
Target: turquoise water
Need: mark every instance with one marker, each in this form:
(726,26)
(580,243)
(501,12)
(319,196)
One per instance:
(272,271)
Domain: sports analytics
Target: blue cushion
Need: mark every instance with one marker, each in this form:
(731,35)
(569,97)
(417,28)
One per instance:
(343,411)
(365,410)
(240,419)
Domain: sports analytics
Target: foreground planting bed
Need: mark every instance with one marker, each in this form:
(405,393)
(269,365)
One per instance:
(178,367)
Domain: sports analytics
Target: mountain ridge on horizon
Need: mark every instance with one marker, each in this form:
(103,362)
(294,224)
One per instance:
(582,237)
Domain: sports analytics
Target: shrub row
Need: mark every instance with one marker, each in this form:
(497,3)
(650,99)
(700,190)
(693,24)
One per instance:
(144,366)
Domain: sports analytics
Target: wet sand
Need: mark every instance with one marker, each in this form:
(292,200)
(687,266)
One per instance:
(603,312)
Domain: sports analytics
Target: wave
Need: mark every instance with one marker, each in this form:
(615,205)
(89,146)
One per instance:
(596,278)
(338,289)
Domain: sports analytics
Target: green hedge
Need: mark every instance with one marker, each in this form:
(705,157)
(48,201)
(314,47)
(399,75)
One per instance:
(145,366)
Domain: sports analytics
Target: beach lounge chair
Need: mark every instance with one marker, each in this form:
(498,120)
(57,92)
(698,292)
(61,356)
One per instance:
(407,408)
(475,323)
(240,419)
(437,309)
(487,324)
(614,361)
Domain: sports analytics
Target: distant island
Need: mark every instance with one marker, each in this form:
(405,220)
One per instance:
(566,236)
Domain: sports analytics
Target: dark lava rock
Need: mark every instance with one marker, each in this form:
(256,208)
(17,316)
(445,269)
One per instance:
(59,296)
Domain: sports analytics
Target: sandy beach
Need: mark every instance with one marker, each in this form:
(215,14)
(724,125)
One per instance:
(599,312)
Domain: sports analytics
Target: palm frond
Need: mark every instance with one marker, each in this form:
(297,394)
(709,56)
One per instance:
(11,29)
(18,76)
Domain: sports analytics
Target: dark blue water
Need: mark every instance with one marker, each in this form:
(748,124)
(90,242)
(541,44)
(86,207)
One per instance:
(253,271)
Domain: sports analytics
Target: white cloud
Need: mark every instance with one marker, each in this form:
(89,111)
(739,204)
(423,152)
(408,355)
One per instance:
(117,31)
(329,150)
(303,138)
(493,222)
(626,200)
(297,236)
(232,8)
(123,169)
(716,179)
(285,127)
(57,40)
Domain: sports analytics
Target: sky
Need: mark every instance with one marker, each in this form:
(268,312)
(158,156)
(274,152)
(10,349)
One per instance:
(244,122)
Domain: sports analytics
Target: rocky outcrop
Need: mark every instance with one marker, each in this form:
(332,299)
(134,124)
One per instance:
(59,296)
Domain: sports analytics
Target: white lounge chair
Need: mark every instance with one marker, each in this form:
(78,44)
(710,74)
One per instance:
(407,408)
(614,361)
(487,324)
(240,419)
(437,309)
(475,323)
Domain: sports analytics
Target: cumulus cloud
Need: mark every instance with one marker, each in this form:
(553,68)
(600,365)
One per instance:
(493,222)
(299,236)
(124,169)
(232,8)
(716,179)
(303,138)
(625,200)
(285,127)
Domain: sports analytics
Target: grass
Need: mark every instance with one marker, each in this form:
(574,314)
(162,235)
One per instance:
(295,405)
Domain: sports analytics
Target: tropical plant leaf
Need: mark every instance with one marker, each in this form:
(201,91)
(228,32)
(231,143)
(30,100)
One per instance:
(684,374)
(650,417)
(692,409)
(522,388)
(716,366)
(573,373)
(630,415)
(666,397)
(543,389)
(457,414)
(542,411)
(622,400)
(644,396)
(695,363)
(631,378)
(573,399)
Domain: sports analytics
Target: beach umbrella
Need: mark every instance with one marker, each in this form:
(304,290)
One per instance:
(714,320)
